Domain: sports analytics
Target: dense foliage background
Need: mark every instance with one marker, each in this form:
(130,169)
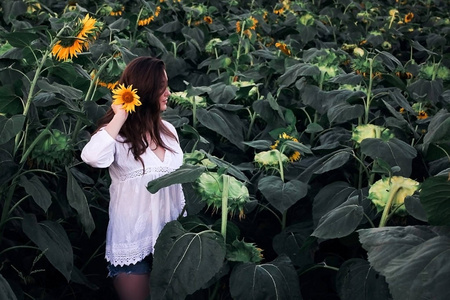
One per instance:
(316,136)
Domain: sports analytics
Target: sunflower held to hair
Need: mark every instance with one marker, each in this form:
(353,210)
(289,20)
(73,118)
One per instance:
(127,96)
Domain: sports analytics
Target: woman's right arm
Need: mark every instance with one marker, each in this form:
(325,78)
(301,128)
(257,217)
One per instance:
(99,151)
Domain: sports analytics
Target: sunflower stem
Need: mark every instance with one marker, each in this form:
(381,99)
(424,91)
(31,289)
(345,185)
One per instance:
(280,163)
(252,121)
(30,96)
(369,92)
(385,216)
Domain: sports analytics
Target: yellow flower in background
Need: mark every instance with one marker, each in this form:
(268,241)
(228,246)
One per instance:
(87,28)
(409,17)
(293,155)
(127,96)
(71,46)
(67,47)
(157,11)
(208,19)
(117,11)
(253,23)
(283,47)
(422,115)
(238,26)
(147,19)
(279,11)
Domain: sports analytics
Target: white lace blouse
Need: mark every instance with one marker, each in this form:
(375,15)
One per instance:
(136,217)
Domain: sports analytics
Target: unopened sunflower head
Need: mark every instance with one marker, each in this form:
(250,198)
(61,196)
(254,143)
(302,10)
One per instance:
(182,99)
(127,97)
(210,185)
(396,188)
(366,131)
(270,160)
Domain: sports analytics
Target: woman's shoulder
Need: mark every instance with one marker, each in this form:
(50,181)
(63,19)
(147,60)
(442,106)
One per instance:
(169,126)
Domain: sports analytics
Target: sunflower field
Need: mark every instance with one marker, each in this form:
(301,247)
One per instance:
(316,139)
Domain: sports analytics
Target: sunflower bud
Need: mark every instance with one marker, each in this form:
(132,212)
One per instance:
(56,148)
(397,188)
(210,187)
(362,132)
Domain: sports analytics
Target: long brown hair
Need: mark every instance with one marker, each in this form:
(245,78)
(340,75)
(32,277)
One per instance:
(146,74)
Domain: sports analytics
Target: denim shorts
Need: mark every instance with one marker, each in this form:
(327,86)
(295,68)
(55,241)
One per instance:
(140,268)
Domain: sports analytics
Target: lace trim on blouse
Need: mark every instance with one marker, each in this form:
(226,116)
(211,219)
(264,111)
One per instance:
(127,254)
(137,173)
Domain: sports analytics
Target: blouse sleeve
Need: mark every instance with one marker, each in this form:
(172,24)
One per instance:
(99,151)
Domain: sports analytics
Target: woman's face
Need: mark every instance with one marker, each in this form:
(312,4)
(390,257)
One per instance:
(165,95)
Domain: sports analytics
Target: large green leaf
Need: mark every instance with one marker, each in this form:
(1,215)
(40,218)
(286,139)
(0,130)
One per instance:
(435,198)
(295,241)
(414,259)
(343,112)
(438,129)
(170,27)
(427,89)
(357,279)
(282,195)
(184,261)
(229,167)
(294,71)
(184,174)
(222,93)
(6,293)
(326,163)
(340,221)
(65,90)
(10,127)
(37,190)
(330,197)
(51,238)
(276,280)
(395,152)
(77,199)
(20,39)
(225,123)
(7,165)
(415,208)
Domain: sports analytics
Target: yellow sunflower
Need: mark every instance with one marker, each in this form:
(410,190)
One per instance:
(72,45)
(117,10)
(88,28)
(67,47)
(208,19)
(126,96)
(422,115)
(409,17)
(283,47)
(293,155)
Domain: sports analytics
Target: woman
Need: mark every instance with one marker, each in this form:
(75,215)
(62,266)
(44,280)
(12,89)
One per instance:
(137,146)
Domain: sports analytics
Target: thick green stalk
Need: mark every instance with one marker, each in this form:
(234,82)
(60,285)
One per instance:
(252,121)
(280,164)
(238,54)
(226,180)
(369,93)
(90,93)
(385,216)
(194,113)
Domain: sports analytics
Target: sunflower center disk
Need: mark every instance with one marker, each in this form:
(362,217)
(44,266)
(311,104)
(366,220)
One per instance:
(127,97)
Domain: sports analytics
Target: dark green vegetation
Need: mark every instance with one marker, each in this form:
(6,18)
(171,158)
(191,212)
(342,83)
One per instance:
(321,126)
